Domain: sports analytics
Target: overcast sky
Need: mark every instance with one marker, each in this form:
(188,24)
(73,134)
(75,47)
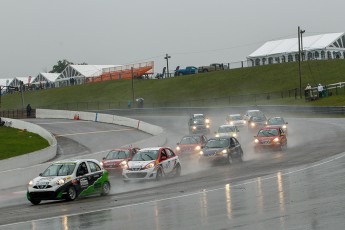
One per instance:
(35,34)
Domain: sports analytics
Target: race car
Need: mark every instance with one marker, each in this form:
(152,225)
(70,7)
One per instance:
(67,180)
(152,164)
(278,121)
(191,144)
(116,158)
(221,149)
(253,113)
(198,126)
(236,119)
(228,131)
(270,138)
(196,116)
(255,123)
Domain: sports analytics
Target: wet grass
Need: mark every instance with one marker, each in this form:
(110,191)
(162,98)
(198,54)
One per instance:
(16,142)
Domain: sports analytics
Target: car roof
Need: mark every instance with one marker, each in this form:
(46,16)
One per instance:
(235,114)
(74,161)
(151,148)
(270,127)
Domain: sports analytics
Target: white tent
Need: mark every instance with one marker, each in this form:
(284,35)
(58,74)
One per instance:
(45,77)
(80,72)
(323,46)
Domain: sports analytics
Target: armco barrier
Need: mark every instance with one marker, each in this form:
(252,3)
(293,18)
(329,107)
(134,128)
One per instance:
(34,157)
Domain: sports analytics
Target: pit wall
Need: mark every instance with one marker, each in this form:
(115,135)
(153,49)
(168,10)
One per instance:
(34,157)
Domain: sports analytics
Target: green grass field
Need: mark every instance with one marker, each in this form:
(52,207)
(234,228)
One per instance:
(16,142)
(195,90)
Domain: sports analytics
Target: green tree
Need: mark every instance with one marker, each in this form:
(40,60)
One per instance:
(60,66)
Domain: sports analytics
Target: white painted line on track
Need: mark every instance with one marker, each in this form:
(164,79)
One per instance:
(322,162)
(93,132)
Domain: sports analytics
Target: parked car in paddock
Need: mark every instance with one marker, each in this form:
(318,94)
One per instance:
(278,121)
(270,138)
(221,149)
(236,119)
(69,179)
(227,131)
(152,164)
(117,158)
(190,144)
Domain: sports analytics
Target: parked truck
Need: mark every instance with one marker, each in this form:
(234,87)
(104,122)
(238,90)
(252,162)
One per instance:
(212,67)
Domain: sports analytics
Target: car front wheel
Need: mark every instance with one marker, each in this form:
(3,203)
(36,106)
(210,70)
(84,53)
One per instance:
(71,193)
(159,175)
(229,159)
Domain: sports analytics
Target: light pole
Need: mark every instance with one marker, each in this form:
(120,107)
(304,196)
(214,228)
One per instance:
(167,58)
(299,63)
(132,85)
(302,52)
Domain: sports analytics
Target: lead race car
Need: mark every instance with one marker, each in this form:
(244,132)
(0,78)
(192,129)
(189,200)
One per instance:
(67,180)
(152,164)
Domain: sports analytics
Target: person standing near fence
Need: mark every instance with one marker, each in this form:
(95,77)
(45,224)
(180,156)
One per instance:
(320,89)
(28,110)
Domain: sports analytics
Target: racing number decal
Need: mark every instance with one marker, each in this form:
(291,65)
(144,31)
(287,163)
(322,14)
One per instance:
(84,183)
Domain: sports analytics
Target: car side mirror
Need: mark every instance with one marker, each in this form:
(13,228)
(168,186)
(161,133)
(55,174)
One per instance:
(177,143)
(40,174)
(286,123)
(255,136)
(103,158)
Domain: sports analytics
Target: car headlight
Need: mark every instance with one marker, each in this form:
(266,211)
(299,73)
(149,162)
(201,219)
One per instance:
(201,153)
(124,164)
(31,183)
(101,163)
(207,120)
(284,126)
(234,135)
(217,135)
(224,151)
(207,126)
(256,141)
(178,148)
(231,122)
(194,127)
(197,148)
(194,122)
(60,181)
(150,165)
(252,124)
(276,139)
(244,122)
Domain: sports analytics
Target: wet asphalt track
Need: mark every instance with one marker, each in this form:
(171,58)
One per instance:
(271,190)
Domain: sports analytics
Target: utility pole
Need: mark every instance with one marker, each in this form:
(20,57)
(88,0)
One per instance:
(302,51)
(132,85)
(21,92)
(299,63)
(167,58)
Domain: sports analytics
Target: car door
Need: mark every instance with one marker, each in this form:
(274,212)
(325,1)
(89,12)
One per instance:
(165,162)
(235,147)
(82,175)
(94,175)
(173,159)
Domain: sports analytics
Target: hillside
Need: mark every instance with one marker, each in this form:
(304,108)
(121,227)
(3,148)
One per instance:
(195,90)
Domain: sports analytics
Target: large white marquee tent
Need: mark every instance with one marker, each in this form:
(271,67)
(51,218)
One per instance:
(317,47)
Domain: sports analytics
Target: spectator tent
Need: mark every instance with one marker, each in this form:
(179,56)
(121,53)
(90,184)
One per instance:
(76,74)
(4,82)
(45,80)
(16,81)
(317,47)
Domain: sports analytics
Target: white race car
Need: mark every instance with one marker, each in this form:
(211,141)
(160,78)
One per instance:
(152,163)
(69,179)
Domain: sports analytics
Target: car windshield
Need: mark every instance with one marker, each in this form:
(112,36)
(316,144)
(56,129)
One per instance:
(198,116)
(258,118)
(117,154)
(268,132)
(190,140)
(146,155)
(276,121)
(235,117)
(217,143)
(60,169)
(256,114)
(227,129)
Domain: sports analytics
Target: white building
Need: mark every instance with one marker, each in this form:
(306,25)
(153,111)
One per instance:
(317,47)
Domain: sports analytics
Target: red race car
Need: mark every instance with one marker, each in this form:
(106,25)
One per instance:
(117,158)
(270,138)
(190,144)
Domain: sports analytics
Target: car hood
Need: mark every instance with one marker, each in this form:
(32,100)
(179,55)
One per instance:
(212,151)
(112,162)
(138,164)
(49,180)
(266,138)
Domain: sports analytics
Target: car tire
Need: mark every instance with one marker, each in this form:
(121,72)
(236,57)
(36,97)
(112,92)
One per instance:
(159,175)
(71,194)
(105,188)
(240,159)
(229,158)
(177,170)
(35,201)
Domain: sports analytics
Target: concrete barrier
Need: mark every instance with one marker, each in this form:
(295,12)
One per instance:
(34,157)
